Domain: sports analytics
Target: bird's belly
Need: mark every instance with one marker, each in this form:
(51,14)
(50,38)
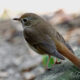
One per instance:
(37,50)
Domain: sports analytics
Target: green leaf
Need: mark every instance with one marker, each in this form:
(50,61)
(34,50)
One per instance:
(45,60)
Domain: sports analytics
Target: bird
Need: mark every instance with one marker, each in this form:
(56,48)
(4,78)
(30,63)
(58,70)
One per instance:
(43,38)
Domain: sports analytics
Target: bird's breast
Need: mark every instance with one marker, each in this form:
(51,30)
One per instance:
(33,39)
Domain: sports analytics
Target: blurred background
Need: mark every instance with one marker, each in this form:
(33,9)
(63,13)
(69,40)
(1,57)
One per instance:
(17,60)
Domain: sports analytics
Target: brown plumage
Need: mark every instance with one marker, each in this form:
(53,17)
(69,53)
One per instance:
(44,39)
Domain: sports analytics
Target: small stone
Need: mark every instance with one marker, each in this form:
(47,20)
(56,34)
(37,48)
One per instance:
(28,76)
(38,70)
(3,74)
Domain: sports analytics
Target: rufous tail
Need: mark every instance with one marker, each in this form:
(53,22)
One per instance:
(68,54)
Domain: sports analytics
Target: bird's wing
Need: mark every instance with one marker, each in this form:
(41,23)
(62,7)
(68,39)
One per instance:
(61,39)
(48,47)
(69,47)
(54,34)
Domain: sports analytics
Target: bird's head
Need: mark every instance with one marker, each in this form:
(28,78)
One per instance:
(29,19)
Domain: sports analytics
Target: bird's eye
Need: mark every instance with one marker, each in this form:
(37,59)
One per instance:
(25,20)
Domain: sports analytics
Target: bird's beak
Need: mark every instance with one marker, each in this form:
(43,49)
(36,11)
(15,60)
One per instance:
(16,19)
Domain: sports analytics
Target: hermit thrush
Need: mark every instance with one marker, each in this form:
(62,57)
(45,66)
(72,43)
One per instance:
(44,39)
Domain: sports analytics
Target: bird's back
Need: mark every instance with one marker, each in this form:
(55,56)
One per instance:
(48,29)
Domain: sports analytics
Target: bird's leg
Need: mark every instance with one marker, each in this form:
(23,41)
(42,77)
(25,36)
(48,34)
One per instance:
(48,62)
(57,62)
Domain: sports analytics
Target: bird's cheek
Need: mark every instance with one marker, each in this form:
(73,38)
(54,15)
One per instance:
(28,23)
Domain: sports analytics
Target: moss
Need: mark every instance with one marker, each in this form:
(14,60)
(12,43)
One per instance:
(64,71)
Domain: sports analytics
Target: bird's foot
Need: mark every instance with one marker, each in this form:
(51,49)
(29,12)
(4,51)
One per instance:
(58,62)
(48,69)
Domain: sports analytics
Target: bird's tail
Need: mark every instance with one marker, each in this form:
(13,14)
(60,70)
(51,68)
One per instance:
(68,54)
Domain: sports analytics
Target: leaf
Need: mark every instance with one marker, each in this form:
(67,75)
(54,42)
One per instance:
(51,62)
(45,60)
